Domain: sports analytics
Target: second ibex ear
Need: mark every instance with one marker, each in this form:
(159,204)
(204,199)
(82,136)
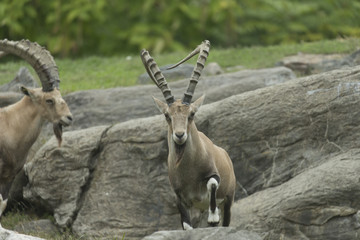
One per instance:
(160,105)
(197,104)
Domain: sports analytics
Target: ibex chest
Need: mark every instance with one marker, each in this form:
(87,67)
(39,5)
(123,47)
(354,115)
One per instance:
(190,185)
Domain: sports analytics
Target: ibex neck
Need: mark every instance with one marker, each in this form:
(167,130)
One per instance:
(23,124)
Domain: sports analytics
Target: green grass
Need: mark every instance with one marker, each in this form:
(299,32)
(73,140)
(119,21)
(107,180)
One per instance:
(14,218)
(9,221)
(97,72)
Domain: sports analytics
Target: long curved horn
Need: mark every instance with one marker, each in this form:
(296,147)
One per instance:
(38,57)
(155,74)
(203,49)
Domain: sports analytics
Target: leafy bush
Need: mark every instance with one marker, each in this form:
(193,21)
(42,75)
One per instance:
(109,27)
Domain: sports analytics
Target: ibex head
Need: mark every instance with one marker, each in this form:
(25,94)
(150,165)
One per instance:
(180,113)
(179,116)
(47,99)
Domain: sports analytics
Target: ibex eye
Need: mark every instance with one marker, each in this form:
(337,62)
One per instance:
(49,101)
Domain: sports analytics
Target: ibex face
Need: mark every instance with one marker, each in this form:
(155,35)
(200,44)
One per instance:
(179,117)
(51,105)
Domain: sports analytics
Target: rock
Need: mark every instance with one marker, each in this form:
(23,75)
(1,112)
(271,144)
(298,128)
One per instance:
(180,72)
(348,61)
(74,162)
(129,190)
(205,233)
(306,64)
(8,98)
(10,92)
(321,203)
(11,235)
(110,106)
(23,77)
(107,181)
(43,226)
(212,69)
(352,59)
(139,181)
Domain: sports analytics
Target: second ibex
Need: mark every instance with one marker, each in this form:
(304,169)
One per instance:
(201,173)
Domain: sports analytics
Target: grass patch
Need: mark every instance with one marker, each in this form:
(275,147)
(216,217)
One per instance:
(15,218)
(11,219)
(97,72)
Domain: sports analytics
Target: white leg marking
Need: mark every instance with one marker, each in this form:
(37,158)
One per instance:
(210,183)
(187,226)
(214,217)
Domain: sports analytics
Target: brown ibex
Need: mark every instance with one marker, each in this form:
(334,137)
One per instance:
(201,173)
(20,123)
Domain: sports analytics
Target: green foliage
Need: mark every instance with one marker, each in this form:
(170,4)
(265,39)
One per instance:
(83,27)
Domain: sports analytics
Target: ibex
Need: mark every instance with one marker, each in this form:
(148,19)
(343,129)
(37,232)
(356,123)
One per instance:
(201,173)
(20,123)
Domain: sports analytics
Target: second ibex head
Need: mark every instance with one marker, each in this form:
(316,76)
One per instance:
(47,100)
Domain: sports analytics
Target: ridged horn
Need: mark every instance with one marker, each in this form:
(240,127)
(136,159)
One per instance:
(38,57)
(203,49)
(155,74)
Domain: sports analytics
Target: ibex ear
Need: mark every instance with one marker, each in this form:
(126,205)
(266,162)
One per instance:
(160,105)
(197,104)
(24,90)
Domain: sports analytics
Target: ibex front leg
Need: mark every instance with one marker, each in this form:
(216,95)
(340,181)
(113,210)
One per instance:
(212,186)
(184,214)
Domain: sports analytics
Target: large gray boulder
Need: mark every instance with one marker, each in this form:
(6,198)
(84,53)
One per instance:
(321,203)
(122,188)
(74,163)
(110,180)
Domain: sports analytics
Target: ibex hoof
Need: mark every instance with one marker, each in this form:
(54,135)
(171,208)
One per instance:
(187,226)
(214,218)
